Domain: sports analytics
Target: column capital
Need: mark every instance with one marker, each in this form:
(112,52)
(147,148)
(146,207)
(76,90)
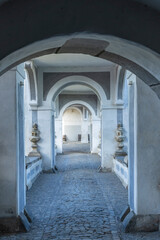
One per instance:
(114,106)
(96,119)
(42,108)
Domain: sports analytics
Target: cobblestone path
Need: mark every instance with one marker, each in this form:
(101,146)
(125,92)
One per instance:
(77,203)
(76,147)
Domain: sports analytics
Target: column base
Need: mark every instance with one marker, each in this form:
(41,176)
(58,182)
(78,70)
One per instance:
(94,152)
(34,154)
(15,224)
(140,223)
(104,169)
(125,212)
(28,214)
(51,170)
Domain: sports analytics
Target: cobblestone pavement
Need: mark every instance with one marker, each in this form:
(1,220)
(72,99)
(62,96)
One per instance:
(72,147)
(77,203)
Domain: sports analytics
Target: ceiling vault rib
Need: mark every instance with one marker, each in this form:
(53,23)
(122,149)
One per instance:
(101,52)
(155,84)
(57,50)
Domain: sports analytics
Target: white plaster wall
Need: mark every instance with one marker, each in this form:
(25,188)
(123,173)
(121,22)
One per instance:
(147,151)
(131,142)
(56,106)
(46,144)
(71,122)
(129,77)
(98,107)
(108,143)
(20,76)
(58,135)
(85,131)
(10,163)
(96,127)
(125,113)
(8,146)
(27,118)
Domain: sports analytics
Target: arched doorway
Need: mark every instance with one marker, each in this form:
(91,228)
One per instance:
(136,58)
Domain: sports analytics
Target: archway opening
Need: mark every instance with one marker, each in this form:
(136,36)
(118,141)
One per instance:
(46,112)
(76,129)
(87,105)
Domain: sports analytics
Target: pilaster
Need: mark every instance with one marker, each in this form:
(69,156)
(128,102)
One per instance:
(108,145)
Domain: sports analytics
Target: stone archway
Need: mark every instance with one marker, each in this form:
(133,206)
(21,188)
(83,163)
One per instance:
(19,38)
(95,125)
(78,102)
(136,59)
(67,81)
(135,206)
(106,109)
(72,119)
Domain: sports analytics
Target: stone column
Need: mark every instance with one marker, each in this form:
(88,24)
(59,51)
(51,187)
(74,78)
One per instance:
(131,142)
(27,118)
(46,143)
(108,145)
(84,131)
(58,134)
(95,135)
(147,165)
(144,183)
(31,102)
(12,162)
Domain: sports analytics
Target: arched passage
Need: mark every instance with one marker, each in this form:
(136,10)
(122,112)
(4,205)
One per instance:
(95,126)
(78,102)
(50,99)
(60,85)
(71,124)
(137,58)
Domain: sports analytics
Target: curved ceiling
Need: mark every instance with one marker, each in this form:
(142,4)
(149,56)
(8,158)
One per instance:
(155,4)
(71,60)
(150,3)
(77,89)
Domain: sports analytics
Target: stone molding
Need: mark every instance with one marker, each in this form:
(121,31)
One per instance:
(88,106)
(32,81)
(61,84)
(50,80)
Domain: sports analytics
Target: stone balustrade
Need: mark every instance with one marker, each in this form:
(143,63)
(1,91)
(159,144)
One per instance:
(33,169)
(121,170)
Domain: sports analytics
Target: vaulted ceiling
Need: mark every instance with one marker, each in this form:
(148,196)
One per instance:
(71,60)
(155,4)
(151,3)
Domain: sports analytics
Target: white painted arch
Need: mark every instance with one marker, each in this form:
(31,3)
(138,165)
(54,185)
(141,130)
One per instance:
(58,87)
(139,54)
(34,82)
(118,101)
(83,103)
(72,107)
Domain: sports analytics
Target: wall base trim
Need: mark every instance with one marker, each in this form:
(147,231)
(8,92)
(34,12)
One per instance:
(124,213)
(51,170)
(104,169)
(141,223)
(14,224)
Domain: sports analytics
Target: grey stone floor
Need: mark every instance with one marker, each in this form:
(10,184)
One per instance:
(72,147)
(77,203)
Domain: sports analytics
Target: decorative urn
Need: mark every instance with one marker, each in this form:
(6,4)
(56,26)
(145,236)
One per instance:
(34,139)
(120,139)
